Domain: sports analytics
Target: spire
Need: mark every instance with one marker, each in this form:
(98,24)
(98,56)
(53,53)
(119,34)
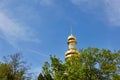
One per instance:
(71,46)
(71,30)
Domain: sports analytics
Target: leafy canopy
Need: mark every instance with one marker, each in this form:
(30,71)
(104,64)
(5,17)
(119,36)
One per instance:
(91,64)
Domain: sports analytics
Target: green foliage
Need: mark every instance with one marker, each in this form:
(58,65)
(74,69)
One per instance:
(92,64)
(109,63)
(40,77)
(13,68)
(44,77)
(57,67)
(5,72)
(46,73)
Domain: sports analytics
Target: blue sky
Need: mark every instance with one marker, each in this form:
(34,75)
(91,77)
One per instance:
(38,28)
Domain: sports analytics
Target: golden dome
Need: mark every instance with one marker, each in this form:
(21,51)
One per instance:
(71,37)
(71,47)
(70,53)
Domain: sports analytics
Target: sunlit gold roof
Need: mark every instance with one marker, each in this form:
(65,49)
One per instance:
(71,37)
(71,47)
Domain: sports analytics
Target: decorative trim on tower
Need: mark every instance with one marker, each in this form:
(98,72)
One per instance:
(71,47)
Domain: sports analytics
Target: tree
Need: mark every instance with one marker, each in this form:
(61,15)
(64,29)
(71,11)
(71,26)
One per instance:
(5,72)
(57,68)
(91,64)
(46,72)
(16,67)
(40,77)
(109,63)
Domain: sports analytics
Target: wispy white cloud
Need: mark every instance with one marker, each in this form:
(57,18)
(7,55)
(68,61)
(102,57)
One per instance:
(113,11)
(39,53)
(13,32)
(78,2)
(111,8)
(86,3)
(46,2)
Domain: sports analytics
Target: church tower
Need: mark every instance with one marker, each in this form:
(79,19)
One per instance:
(71,47)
